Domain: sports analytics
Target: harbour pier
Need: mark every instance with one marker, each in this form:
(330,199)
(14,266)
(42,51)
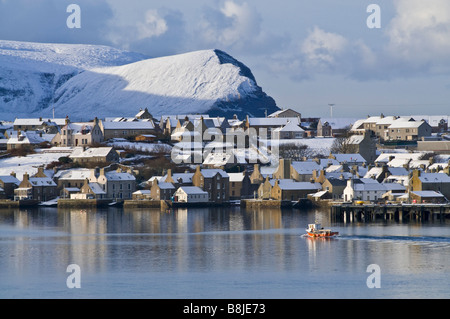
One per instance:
(399,212)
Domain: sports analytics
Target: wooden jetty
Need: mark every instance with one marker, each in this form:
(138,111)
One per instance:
(399,212)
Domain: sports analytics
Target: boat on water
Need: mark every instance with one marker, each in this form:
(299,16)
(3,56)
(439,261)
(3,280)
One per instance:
(316,230)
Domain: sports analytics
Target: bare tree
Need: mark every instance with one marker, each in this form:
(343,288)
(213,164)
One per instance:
(295,152)
(342,144)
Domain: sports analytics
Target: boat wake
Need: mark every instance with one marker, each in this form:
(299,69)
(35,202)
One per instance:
(400,239)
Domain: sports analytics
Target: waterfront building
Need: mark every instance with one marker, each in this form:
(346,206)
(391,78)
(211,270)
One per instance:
(70,178)
(438,182)
(191,194)
(90,191)
(372,191)
(161,190)
(117,185)
(8,183)
(240,185)
(37,188)
(291,190)
(216,182)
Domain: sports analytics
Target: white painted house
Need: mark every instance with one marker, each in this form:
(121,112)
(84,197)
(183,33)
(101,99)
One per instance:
(372,191)
(191,194)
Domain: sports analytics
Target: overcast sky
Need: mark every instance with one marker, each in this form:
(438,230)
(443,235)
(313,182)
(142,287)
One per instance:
(306,54)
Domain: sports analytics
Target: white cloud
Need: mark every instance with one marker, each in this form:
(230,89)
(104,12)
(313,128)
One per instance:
(153,26)
(321,48)
(419,33)
(155,32)
(237,27)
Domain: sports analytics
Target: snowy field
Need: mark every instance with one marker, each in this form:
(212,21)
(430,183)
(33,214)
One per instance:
(121,143)
(317,145)
(27,164)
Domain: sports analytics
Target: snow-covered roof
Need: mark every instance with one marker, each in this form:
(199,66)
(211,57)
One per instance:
(419,164)
(38,121)
(9,179)
(164,185)
(385,157)
(398,171)
(236,177)
(290,127)
(119,176)
(305,167)
(338,123)
(406,124)
(355,139)
(272,121)
(97,188)
(186,178)
(132,125)
(211,172)
(78,152)
(142,192)
(41,181)
(338,175)
(191,190)
(438,166)
(28,137)
(427,194)
(333,168)
(73,174)
(79,128)
(434,178)
(433,120)
(394,187)
(369,187)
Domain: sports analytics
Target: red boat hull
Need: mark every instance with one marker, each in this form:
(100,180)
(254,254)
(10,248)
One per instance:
(323,234)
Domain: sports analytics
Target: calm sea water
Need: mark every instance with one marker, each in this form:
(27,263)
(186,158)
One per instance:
(217,253)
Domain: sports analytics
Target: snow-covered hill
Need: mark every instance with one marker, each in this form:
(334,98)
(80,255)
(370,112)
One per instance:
(84,81)
(30,73)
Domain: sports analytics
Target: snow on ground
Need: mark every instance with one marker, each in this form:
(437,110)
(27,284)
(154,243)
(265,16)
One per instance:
(121,143)
(27,164)
(318,145)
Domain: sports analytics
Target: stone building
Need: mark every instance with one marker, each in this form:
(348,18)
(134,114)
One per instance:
(214,181)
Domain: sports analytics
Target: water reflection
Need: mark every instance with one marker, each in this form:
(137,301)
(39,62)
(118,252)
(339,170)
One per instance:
(221,242)
(179,240)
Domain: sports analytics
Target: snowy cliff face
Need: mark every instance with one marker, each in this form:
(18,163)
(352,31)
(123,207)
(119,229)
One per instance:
(86,81)
(30,73)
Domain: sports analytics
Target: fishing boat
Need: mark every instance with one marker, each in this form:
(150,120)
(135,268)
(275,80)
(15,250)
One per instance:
(316,230)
